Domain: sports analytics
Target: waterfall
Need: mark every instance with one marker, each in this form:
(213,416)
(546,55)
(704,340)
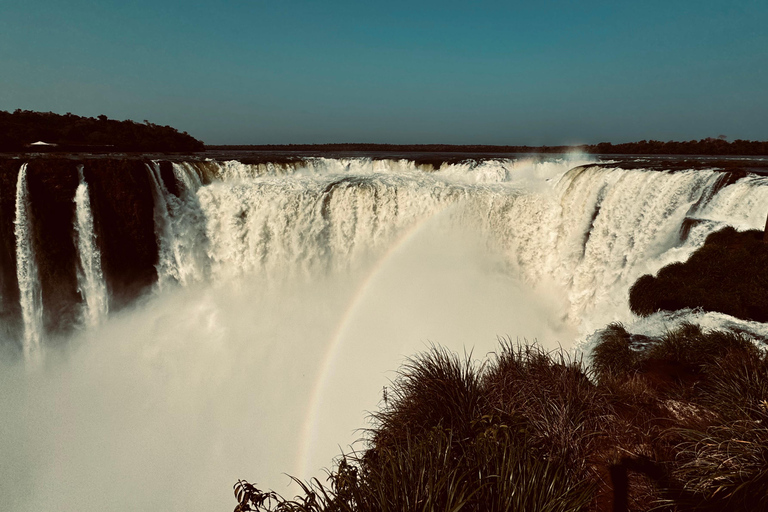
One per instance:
(281,283)
(163,231)
(179,226)
(90,279)
(590,230)
(30,297)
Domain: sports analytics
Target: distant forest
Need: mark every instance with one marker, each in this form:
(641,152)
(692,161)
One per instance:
(708,146)
(99,134)
(69,132)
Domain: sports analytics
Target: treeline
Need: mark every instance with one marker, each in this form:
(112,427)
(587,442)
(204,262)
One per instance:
(70,132)
(708,146)
(407,148)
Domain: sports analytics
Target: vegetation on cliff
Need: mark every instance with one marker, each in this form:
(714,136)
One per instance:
(727,274)
(677,426)
(70,132)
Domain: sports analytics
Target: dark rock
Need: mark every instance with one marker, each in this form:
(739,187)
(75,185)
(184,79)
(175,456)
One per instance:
(123,210)
(9,286)
(169,179)
(52,185)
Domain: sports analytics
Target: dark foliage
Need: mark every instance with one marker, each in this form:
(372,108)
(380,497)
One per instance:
(708,146)
(708,392)
(727,275)
(676,423)
(613,354)
(455,436)
(403,148)
(435,390)
(562,408)
(686,351)
(75,133)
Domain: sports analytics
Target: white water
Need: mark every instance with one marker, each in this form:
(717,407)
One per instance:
(30,298)
(178,220)
(90,278)
(590,232)
(290,293)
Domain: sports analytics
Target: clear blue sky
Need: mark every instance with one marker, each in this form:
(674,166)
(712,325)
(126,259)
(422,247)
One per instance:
(290,71)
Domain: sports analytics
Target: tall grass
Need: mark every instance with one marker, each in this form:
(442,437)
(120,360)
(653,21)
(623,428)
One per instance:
(452,437)
(613,353)
(681,424)
(563,409)
(724,467)
(435,389)
(708,393)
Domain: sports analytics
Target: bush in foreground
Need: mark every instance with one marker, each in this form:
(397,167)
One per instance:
(677,424)
(710,392)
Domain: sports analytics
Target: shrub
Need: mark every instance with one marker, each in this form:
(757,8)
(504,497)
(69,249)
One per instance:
(561,406)
(613,354)
(436,389)
(724,467)
(726,274)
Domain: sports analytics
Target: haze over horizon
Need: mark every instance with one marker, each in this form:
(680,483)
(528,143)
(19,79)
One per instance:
(287,71)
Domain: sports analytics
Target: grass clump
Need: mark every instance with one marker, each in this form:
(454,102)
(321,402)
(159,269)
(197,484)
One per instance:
(562,408)
(613,354)
(723,467)
(436,389)
(454,436)
(706,412)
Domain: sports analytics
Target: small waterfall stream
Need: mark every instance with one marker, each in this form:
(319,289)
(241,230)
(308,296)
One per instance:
(30,297)
(90,278)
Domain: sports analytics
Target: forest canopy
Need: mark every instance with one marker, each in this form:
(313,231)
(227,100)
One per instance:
(708,146)
(71,132)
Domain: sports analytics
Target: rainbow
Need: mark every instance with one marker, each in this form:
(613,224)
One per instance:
(331,356)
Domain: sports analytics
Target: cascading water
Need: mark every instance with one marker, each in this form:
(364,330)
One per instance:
(30,298)
(181,243)
(90,278)
(289,292)
(163,227)
(591,231)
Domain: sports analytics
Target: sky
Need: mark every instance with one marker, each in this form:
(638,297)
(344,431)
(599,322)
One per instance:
(418,72)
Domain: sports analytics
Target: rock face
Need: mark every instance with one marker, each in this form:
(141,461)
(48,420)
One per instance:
(122,203)
(9,285)
(122,206)
(52,185)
